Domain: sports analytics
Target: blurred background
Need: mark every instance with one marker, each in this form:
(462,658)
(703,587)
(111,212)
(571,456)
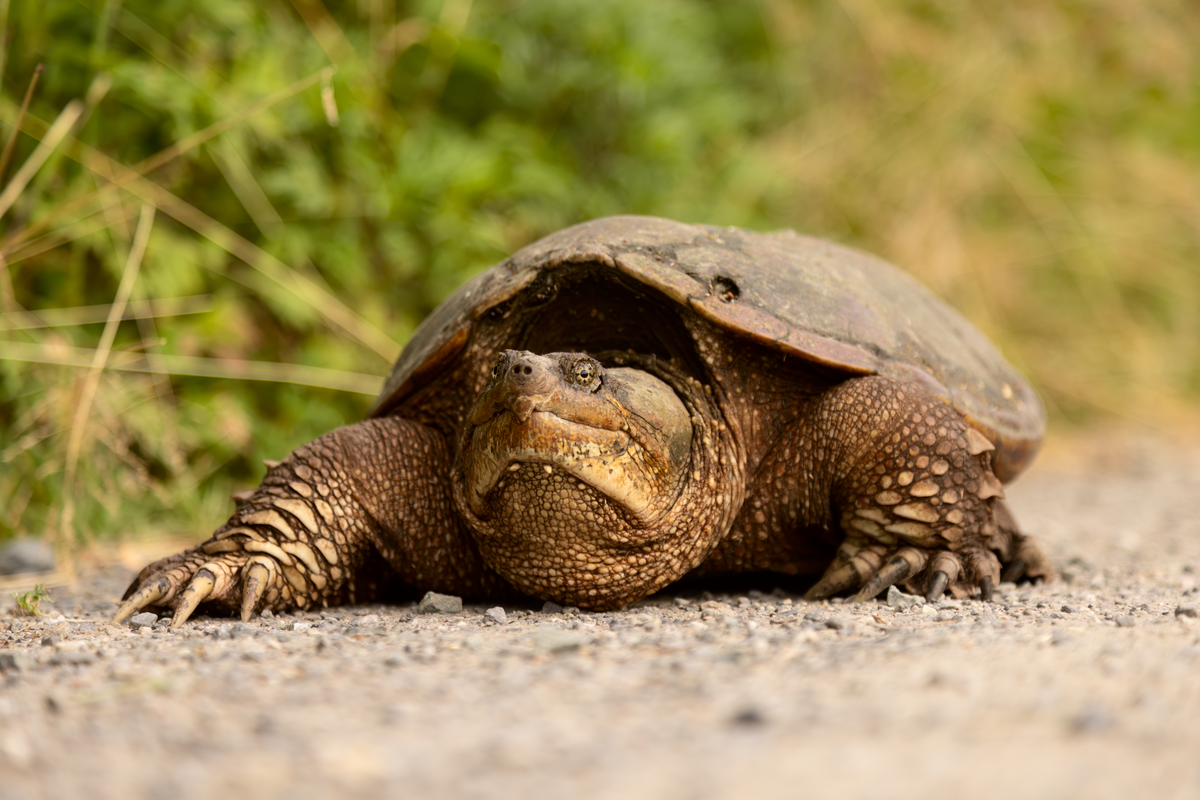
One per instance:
(241,209)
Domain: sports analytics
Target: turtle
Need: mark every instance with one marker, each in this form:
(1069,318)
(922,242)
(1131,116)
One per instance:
(634,401)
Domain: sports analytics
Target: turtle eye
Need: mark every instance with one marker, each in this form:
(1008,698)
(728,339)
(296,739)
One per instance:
(496,368)
(585,374)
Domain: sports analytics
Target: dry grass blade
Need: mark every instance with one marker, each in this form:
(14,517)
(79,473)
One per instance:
(124,175)
(124,290)
(330,307)
(325,303)
(324,29)
(77,230)
(249,193)
(226,368)
(24,581)
(58,131)
(12,138)
(87,315)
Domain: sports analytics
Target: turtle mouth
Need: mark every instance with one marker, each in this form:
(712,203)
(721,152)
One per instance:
(606,460)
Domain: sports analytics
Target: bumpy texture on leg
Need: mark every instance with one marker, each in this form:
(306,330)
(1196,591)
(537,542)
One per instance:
(301,539)
(915,495)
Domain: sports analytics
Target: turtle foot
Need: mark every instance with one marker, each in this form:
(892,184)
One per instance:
(231,581)
(871,568)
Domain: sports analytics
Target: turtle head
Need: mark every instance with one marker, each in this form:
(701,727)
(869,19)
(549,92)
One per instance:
(575,477)
(622,432)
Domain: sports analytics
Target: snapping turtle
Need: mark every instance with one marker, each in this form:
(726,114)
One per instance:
(633,400)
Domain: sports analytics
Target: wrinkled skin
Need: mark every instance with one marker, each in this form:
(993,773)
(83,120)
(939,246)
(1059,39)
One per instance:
(596,486)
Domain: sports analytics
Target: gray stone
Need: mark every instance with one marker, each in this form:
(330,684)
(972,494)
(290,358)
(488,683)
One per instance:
(840,623)
(496,615)
(146,619)
(1187,610)
(224,632)
(555,640)
(73,657)
(1126,621)
(13,661)
(25,555)
(900,600)
(434,603)
(1093,718)
(551,607)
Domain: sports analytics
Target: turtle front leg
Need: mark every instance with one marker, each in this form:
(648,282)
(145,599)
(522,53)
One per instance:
(308,535)
(913,490)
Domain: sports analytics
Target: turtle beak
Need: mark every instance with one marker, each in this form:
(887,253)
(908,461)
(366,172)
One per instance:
(523,383)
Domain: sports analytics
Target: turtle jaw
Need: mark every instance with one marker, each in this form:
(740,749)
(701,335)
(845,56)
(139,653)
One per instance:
(598,457)
(626,435)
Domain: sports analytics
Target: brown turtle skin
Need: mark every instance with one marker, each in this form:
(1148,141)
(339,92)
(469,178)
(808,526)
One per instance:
(711,400)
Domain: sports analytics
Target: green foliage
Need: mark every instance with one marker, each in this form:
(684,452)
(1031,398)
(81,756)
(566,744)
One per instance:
(1036,163)
(29,604)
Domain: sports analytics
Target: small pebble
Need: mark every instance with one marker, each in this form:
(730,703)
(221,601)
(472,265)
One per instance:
(551,607)
(1187,610)
(145,619)
(496,615)
(749,717)
(898,599)
(12,661)
(1126,621)
(555,640)
(434,603)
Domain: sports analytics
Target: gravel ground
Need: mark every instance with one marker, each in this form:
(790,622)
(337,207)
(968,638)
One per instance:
(1086,687)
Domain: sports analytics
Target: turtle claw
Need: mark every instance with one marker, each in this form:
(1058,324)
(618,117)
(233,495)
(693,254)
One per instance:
(896,570)
(197,592)
(985,589)
(836,580)
(258,578)
(937,586)
(145,596)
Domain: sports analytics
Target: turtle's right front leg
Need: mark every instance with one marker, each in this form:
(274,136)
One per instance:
(302,538)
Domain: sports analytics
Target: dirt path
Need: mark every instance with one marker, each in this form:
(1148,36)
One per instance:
(1088,687)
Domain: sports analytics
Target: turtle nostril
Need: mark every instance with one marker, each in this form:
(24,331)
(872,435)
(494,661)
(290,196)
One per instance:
(528,370)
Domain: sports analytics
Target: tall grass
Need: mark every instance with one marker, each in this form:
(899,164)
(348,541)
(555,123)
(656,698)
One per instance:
(323,174)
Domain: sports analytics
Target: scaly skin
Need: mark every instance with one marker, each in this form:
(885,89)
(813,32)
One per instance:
(894,470)
(309,534)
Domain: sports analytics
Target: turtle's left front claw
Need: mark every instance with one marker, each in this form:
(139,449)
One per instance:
(202,585)
(147,595)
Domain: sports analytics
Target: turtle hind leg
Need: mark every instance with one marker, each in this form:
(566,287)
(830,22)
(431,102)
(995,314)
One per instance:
(1022,556)
(913,490)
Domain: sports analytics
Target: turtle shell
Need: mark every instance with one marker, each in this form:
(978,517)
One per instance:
(796,294)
